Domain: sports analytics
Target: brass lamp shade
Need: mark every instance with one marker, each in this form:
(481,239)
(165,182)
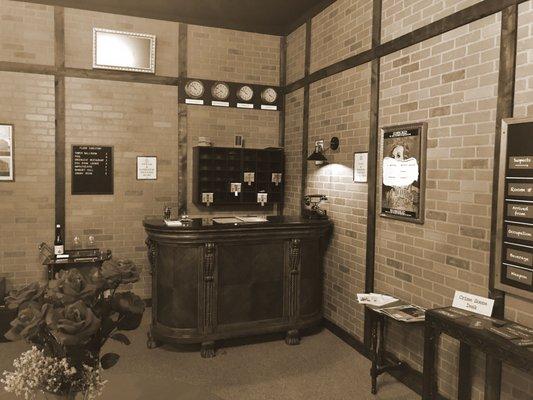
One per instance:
(317,155)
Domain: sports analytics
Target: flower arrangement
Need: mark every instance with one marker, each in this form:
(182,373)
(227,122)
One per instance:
(68,321)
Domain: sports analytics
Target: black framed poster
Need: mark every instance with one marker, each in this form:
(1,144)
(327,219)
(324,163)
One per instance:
(403,172)
(92,169)
(514,227)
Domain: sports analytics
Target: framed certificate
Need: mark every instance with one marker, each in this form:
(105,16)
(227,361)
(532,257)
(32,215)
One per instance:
(6,153)
(360,167)
(146,168)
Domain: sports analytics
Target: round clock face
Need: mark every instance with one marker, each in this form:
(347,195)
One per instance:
(245,93)
(269,95)
(220,91)
(194,88)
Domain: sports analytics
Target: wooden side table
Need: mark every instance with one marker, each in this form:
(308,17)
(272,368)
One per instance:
(380,362)
(473,331)
(84,260)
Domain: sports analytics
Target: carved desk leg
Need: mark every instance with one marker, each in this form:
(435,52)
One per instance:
(151,343)
(208,350)
(293,336)
(431,336)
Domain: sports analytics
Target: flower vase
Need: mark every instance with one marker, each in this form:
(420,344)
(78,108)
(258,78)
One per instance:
(55,396)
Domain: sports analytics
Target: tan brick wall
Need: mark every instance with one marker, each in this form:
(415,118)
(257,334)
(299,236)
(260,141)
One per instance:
(403,16)
(339,106)
(449,81)
(136,119)
(26,33)
(341,30)
(79,37)
(293,151)
(259,128)
(223,54)
(27,211)
(295,68)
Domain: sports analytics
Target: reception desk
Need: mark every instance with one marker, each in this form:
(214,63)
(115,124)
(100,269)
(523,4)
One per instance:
(213,282)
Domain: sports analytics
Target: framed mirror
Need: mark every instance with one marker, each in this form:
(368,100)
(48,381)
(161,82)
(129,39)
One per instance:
(124,51)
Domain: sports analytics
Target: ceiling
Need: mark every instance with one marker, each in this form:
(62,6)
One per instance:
(275,17)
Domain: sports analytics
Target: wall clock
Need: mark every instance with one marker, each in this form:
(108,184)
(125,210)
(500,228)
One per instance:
(245,93)
(194,88)
(269,95)
(220,91)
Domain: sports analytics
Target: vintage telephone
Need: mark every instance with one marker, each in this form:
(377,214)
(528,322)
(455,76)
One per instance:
(313,201)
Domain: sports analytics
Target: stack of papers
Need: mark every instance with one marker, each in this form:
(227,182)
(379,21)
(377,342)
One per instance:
(169,222)
(375,299)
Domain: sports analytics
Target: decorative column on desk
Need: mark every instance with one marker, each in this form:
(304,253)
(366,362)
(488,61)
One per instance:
(209,290)
(293,336)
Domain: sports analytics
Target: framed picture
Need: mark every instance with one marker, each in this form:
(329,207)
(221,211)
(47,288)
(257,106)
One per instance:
(6,153)
(403,172)
(146,168)
(123,51)
(360,167)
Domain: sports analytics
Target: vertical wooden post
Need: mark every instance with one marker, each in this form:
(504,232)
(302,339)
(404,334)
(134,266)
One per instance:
(182,124)
(305,126)
(60,133)
(282,83)
(504,109)
(372,166)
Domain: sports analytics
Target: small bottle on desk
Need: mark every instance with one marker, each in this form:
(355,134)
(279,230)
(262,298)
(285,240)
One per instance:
(59,245)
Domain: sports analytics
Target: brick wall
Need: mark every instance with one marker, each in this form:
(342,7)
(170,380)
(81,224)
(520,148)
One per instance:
(26,33)
(339,106)
(293,151)
(79,37)
(27,211)
(136,119)
(341,30)
(223,54)
(403,16)
(295,68)
(449,81)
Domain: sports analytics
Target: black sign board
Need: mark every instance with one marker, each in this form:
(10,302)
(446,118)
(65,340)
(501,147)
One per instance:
(92,170)
(514,253)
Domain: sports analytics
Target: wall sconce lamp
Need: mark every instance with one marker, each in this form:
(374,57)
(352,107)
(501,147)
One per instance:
(318,154)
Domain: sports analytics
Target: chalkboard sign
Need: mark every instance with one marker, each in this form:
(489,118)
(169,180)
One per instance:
(92,170)
(514,248)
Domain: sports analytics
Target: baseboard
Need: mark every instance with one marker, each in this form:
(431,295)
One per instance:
(407,375)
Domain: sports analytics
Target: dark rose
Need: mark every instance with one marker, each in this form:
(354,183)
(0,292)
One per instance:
(28,322)
(32,292)
(72,325)
(127,302)
(71,286)
(120,272)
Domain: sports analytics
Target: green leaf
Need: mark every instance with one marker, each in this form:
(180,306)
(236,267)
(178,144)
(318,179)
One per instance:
(129,322)
(108,360)
(119,337)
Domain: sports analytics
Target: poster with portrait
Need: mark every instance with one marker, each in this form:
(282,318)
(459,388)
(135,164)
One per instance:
(403,172)
(6,153)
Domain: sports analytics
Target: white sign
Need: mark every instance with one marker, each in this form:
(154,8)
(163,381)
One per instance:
(360,167)
(399,173)
(470,302)
(146,168)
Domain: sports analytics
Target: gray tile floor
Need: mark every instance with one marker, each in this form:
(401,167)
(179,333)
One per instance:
(322,367)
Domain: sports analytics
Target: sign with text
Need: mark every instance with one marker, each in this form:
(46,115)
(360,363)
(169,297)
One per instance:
(146,168)
(513,269)
(92,170)
(470,302)
(360,167)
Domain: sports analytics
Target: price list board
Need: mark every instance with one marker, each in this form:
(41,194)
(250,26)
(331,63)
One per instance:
(514,252)
(92,170)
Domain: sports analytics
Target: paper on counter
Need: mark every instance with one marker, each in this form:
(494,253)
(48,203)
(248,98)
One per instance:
(169,222)
(375,299)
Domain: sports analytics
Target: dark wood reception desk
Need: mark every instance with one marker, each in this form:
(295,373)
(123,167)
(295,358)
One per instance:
(213,282)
